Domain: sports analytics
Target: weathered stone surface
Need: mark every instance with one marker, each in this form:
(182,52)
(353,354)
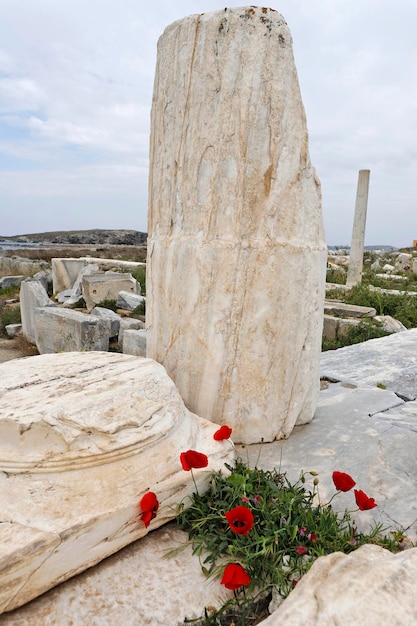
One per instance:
(371,434)
(348,310)
(370,586)
(11,281)
(106,286)
(389,360)
(138,586)
(32,296)
(82,437)
(13,330)
(235,227)
(128,323)
(129,301)
(389,324)
(65,330)
(134,342)
(73,295)
(65,272)
(110,315)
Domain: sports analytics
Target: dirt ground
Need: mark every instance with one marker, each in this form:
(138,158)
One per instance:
(9,350)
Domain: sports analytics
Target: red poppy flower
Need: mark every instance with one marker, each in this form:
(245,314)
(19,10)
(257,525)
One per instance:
(192,459)
(224,432)
(148,505)
(234,576)
(240,520)
(342,481)
(301,550)
(364,503)
(312,537)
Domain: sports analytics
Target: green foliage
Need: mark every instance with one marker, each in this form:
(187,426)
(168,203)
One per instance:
(9,292)
(288,519)
(401,306)
(140,275)
(140,311)
(9,315)
(337,277)
(356,334)
(108,303)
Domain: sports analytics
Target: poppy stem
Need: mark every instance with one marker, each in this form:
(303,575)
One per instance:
(195,484)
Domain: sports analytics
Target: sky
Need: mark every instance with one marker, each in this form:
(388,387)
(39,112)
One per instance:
(76,82)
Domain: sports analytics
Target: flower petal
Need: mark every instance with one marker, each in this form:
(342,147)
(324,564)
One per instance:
(342,481)
(224,432)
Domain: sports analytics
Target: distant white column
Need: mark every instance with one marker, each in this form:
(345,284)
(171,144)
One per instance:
(354,275)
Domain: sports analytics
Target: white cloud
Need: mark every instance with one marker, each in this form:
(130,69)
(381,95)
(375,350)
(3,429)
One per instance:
(76,84)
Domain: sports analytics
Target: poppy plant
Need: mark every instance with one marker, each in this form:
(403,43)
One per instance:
(234,576)
(148,505)
(193,459)
(240,520)
(342,481)
(301,550)
(363,501)
(224,432)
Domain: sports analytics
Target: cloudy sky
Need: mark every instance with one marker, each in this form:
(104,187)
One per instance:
(76,81)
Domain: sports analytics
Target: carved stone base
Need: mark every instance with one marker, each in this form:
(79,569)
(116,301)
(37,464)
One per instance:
(83,436)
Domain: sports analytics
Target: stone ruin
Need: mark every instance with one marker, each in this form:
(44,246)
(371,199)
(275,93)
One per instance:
(235,233)
(235,244)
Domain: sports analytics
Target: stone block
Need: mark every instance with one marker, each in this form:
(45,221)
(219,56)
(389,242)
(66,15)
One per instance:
(83,436)
(110,315)
(128,323)
(32,296)
(13,330)
(330,325)
(345,325)
(134,342)
(65,330)
(368,586)
(11,281)
(348,310)
(65,272)
(389,324)
(129,301)
(106,286)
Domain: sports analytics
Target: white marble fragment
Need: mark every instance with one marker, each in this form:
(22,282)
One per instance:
(370,586)
(83,436)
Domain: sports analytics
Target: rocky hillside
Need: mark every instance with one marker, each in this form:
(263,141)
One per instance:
(84,237)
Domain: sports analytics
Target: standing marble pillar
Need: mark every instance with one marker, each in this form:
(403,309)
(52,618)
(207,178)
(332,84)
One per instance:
(236,250)
(354,275)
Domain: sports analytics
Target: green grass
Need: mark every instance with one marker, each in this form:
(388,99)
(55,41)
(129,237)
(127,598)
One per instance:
(356,334)
(8,315)
(401,306)
(290,529)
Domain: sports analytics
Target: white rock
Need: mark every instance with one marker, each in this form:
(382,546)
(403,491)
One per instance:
(11,281)
(97,287)
(13,330)
(235,226)
(32,296)
(390,324)
(83,436)
(128,323)
(370,586)
(134,342)
(110,315)
(129,301)
(65,330)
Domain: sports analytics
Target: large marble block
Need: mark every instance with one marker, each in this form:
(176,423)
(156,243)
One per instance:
(65,330)
(83,436)
(32,296)
(106,286)
(236,250)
